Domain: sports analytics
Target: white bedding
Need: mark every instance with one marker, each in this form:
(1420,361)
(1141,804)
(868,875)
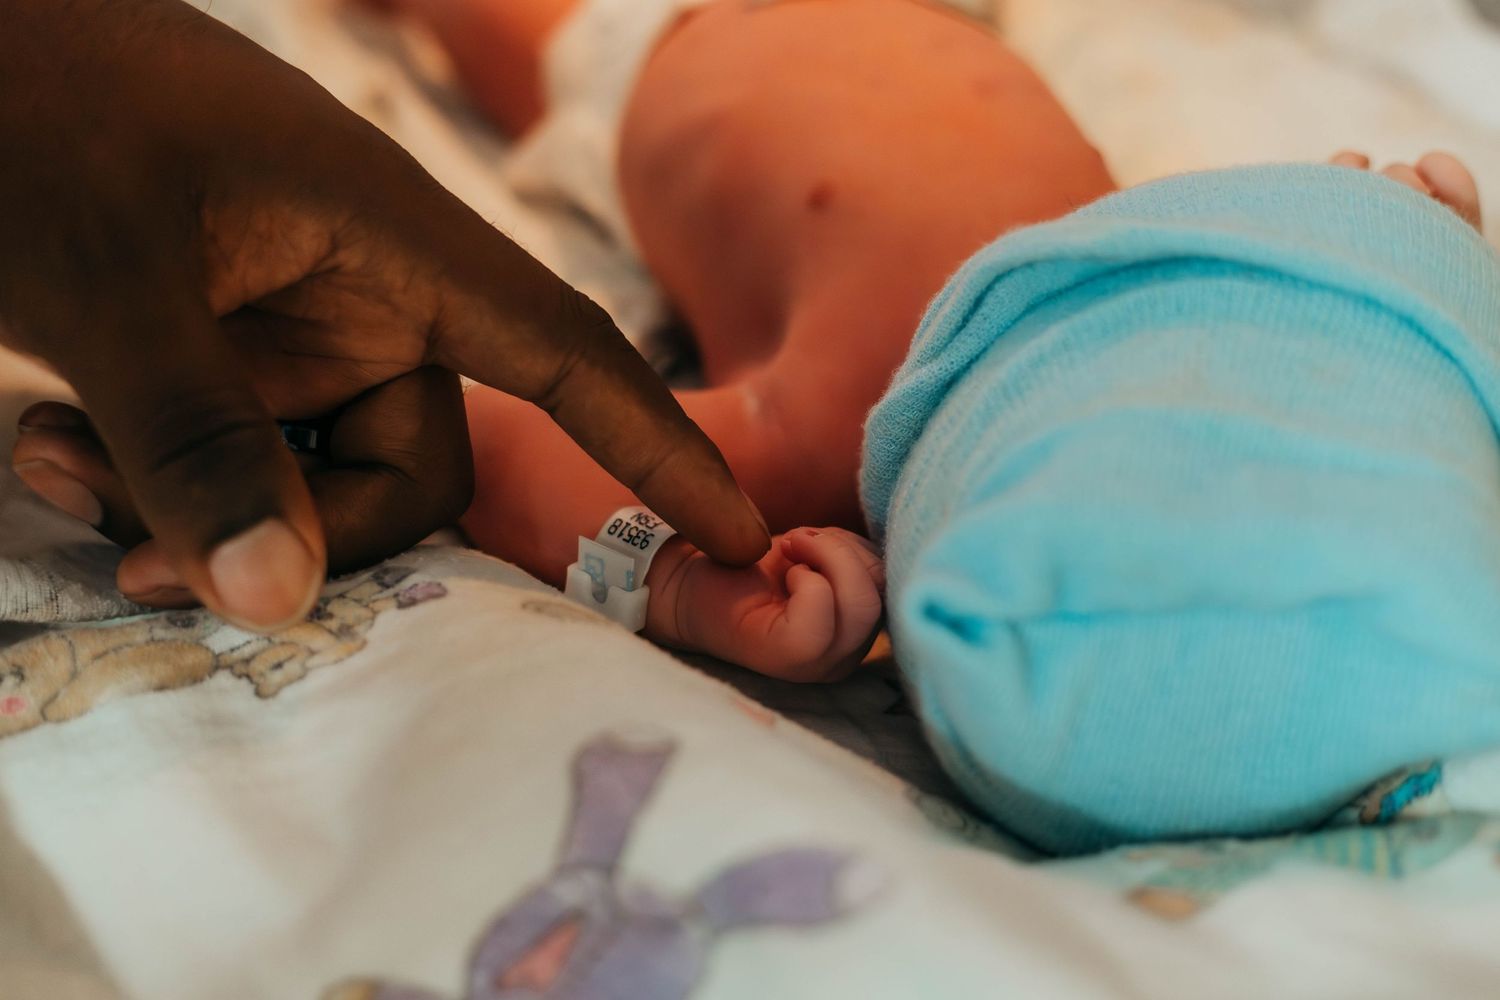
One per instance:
(539,805)
(1165,86)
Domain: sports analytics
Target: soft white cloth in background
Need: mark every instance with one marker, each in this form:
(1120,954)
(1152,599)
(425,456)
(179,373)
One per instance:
(1166,86)
(71,584)
(1443,47)
(591,67)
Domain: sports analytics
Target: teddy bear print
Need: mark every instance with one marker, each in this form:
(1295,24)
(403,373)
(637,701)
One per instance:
(61,674)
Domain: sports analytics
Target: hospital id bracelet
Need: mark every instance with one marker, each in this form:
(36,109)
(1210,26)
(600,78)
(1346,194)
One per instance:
(610,574)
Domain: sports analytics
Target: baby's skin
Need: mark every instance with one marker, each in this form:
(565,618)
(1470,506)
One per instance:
(802,178)
(1439,175)
(801,240)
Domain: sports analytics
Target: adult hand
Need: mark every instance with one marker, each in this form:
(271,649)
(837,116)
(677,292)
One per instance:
(200,240)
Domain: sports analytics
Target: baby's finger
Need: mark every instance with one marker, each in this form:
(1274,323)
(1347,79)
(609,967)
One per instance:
(844,565)
(1352,160)
(1403,173)
(1452,184)
(811,609)
(853,570)
(855,538)
(865,551)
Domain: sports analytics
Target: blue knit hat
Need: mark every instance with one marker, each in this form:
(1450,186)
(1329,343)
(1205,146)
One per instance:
(1191,505)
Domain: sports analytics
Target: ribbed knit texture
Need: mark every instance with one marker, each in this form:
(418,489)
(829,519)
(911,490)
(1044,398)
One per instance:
(1191,505)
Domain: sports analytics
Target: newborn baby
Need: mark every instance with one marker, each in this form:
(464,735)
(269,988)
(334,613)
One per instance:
(801,178)
(1187,498)
(1191,503)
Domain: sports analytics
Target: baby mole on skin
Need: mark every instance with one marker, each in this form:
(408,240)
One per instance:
(821,196)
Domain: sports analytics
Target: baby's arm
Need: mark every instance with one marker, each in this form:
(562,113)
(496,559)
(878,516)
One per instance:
(809,611)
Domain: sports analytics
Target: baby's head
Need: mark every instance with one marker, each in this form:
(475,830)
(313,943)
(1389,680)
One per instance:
(1191,504)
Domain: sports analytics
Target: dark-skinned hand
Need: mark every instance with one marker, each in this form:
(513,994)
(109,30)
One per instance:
(201,241)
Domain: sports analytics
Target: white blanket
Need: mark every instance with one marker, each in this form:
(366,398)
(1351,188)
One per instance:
(453,784)
(1165,86)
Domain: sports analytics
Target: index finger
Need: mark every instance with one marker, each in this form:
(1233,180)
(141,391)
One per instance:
(541,340)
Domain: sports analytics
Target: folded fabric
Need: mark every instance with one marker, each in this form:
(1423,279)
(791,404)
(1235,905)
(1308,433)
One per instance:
(72,584)
(1191,504)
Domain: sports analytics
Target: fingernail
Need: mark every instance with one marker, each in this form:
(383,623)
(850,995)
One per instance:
(265,578)
(58,416)
(61,490)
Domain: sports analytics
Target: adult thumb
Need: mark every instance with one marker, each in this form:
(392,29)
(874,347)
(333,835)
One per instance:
(204,463)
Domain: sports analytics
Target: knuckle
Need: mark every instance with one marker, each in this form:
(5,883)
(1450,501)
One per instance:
(398,508)
(439,483)
(577,312)
(219,448)
(205,434)
(553,393)
(584,331)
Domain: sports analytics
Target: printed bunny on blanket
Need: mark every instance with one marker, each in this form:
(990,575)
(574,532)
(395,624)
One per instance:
(63,673)
(578,935)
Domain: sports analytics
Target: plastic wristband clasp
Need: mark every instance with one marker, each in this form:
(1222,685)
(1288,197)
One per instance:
(610,574)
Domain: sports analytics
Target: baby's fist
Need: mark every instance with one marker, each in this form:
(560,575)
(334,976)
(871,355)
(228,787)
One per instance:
(808,611)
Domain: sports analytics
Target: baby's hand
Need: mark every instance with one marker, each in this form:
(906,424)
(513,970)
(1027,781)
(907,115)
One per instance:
(808,611)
